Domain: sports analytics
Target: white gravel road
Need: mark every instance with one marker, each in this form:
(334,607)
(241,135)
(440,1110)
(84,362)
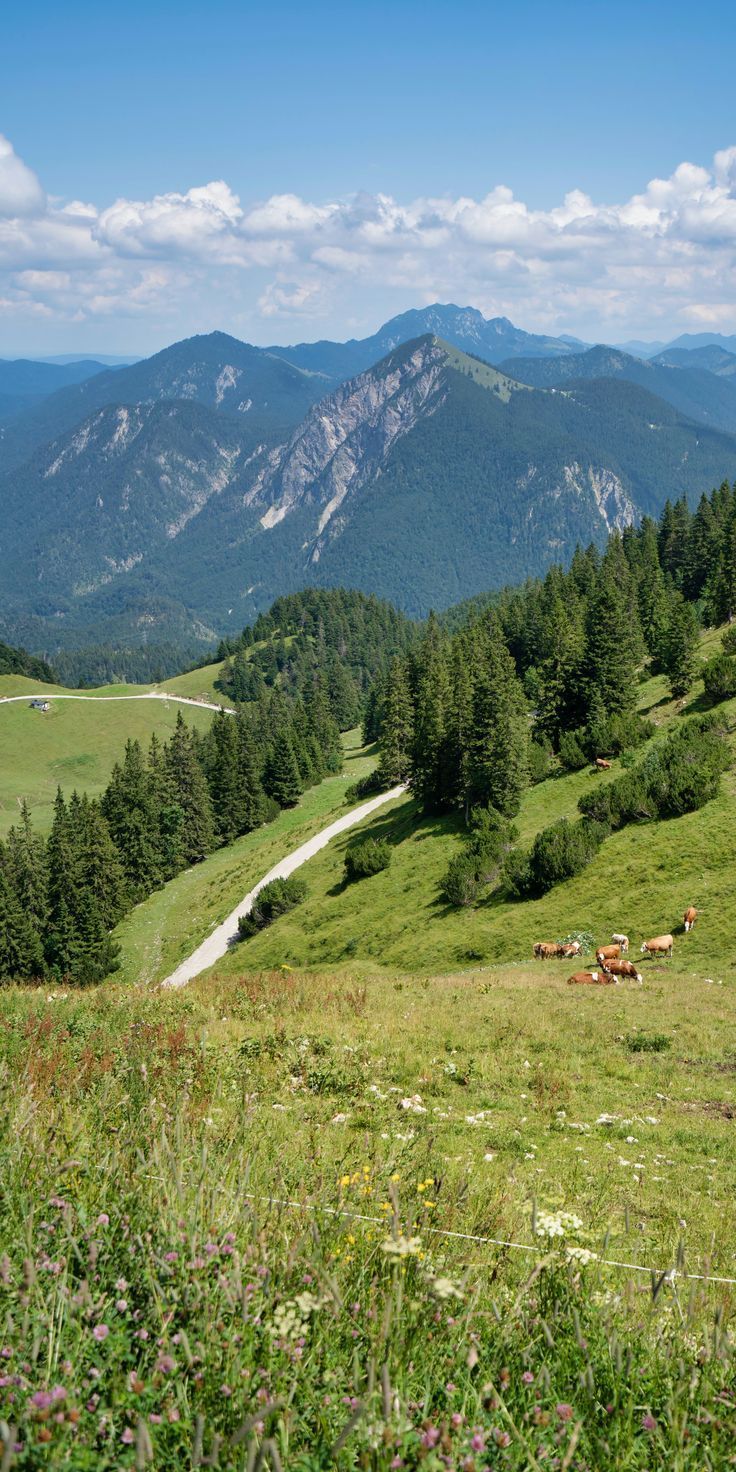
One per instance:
(144,695)
(217,944)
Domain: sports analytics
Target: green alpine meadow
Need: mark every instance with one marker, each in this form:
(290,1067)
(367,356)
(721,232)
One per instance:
(367,737)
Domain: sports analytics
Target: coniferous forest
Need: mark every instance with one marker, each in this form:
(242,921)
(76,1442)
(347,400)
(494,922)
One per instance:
(467,711)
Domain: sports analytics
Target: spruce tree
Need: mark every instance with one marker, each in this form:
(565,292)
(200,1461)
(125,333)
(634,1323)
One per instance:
(431,765)
(281,779)
(191,793)
(682,643)
(224,778)
(499,741)
(397,728)
(251,796)
(131,805)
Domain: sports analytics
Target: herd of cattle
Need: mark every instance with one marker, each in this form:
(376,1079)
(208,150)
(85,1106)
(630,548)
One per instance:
(611,959)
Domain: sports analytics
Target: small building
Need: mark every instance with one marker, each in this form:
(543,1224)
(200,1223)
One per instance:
(40,705)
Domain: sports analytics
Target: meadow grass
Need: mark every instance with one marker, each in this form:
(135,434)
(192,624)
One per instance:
(74,745)
(223,1218)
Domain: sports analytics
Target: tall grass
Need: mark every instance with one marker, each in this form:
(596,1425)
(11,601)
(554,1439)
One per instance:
(192,1277)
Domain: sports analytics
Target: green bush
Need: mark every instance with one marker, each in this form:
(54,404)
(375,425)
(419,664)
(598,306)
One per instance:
(652,1042)
(275,899)
(541,762)
(367,857)
(557,853)
(479,866)
(676,776)
(366,786)
(719,677)
(571,754)
(729,640)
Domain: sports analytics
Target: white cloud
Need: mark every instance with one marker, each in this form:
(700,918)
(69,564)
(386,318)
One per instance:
(20,190)
(661,260)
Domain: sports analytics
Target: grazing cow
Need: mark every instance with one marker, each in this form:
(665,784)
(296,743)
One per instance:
(590,978)
(690,917)
(661,945)
(622,941)
(607,953)
(552,950)
(602,764)
(622,968)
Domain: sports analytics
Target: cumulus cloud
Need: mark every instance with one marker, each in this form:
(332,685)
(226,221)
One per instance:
(20,191)
(663,258)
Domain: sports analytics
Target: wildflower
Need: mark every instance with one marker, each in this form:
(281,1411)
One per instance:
(127,1436)
(478,1441)
(225,1390)
(648,1422)
(121,1305)
(444,1288)
(103,1219)
(564,1411)
(556,1224)
(581,1255)
(431,1436)
(166,1364)
(527,1378)
(100,1332)
(402,1246)
(121,1285)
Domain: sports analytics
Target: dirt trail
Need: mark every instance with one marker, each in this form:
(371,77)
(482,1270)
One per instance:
(217,944)
(96,699)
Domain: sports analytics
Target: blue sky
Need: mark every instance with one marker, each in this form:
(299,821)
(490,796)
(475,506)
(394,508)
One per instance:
(343,107)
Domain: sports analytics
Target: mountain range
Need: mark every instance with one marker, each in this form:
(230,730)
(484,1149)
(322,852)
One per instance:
(174,498)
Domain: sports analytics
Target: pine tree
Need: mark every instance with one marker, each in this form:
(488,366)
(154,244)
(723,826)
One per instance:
(281,779)
(431,770)
(99,870)
(223,776)
(191,793)
(61,935)
(682,643)
(21,948)
(397,728)
(251,796)
(131,804)
(499,739)
(27,869)
(609,658)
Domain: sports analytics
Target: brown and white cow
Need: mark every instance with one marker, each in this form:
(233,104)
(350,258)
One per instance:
(661,945)
(623,968)
(552,950)
(607,953)
(591,978)
(690,917)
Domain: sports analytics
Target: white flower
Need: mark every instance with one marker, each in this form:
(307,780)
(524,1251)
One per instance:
(414,1104)
(581,1255)
(445,1288)
(606,1119)
(402,1246)
(556,1224)
(489,1155)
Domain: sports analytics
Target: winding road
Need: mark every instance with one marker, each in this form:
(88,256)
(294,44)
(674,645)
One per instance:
(218,943)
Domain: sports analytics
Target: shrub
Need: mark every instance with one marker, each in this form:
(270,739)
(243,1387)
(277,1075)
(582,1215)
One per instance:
(719,677)
(541,764)
(684,772)
(557,853)
(728,641)
(571,754)
(479,866)
(366,786)
(275,899)
(367,857)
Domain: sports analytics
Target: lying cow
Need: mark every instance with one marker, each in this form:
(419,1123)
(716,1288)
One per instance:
(607,953)
(690,917)
(661,945)
(552,950)
(591,978)
(622,941)
(623,968)
(602,764)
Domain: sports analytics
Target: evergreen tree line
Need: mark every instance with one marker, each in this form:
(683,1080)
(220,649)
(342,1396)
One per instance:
(547,676)
(348,637)
(162,811)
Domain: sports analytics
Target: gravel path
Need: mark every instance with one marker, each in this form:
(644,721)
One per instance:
(96,699)
(218,943)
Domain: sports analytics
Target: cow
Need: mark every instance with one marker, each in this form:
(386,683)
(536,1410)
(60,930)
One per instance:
(591,978)
(661,945)
(690,917)
(622,941)
(607,953)
(552,950)
(602,764)
(622,968)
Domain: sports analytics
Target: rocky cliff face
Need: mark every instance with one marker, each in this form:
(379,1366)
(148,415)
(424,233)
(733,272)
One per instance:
(344,440)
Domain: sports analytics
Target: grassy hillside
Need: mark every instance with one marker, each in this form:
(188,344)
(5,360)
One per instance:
(640,882)
(73,745)
(162,931)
